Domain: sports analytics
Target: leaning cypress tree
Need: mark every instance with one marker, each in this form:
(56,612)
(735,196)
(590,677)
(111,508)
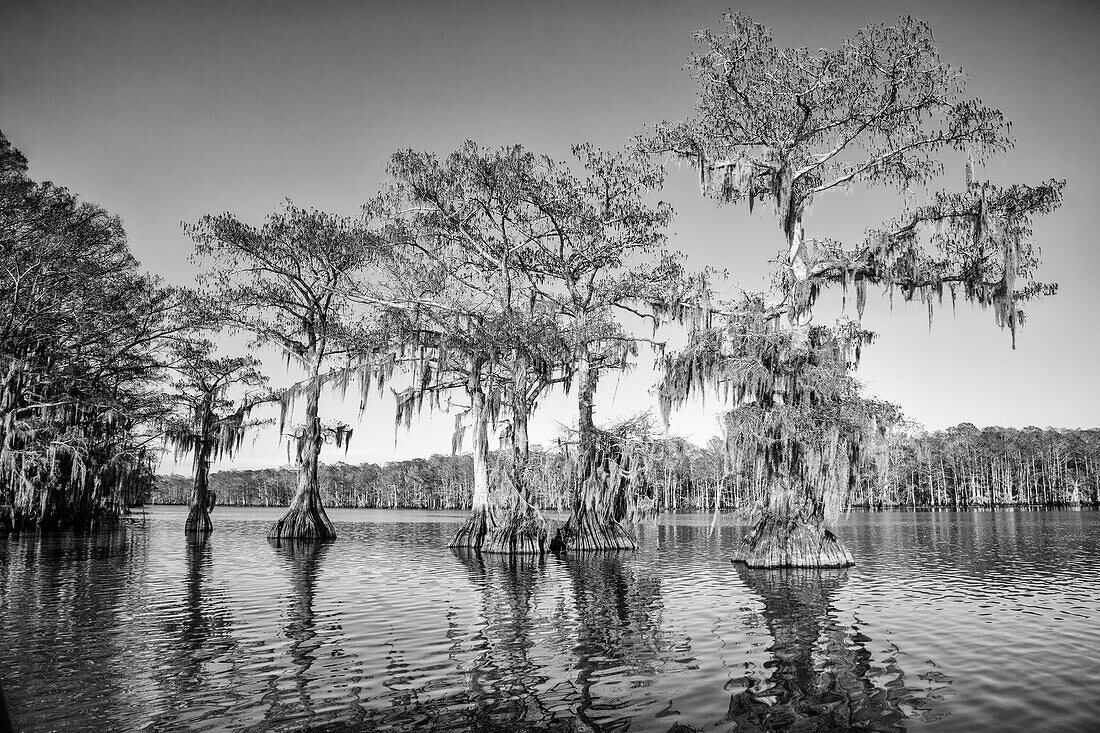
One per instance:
(283,283)
(790,126)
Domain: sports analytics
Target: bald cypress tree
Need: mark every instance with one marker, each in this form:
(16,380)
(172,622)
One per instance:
(464,298)
(791,127)
(284,283)
(81,329)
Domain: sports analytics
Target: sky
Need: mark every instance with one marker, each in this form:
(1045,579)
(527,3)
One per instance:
(162,112)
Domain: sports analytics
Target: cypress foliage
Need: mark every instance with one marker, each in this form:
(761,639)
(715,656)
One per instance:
(80,329)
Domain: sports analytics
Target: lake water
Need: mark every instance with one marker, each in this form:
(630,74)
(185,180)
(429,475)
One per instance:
(950,621)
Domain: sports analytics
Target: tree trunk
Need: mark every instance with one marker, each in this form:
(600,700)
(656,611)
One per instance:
(306,517)
(792,541)
(790,531)
(601,494)
(517,527)
(472,532)
(201,504)
(521,447)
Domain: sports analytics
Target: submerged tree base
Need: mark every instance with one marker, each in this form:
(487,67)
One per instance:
(198,521)
(585,532)
(520,530)
(14,521)
(303,522)
(471,534)
(788,544)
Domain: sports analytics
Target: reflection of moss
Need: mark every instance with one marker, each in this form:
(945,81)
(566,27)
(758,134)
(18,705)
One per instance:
(502,681)
(821,677)
(619,625)
(303,558)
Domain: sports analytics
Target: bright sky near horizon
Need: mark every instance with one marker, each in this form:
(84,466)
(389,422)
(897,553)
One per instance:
(165,111)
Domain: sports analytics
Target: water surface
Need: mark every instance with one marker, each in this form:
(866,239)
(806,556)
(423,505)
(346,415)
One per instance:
(950,621)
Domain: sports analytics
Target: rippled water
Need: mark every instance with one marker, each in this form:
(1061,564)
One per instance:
(950,621)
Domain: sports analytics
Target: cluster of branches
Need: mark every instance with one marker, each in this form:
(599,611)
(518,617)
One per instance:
(512,272)
(80,325)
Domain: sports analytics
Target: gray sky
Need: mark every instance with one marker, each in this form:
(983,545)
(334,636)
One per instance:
(164,111)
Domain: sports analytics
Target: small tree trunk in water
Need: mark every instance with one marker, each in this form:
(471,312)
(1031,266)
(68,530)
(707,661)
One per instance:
(472,532)
(306,517)
(600,497)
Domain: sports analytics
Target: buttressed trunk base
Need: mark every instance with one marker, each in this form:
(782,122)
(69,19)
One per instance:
(305,519)
(521,531)
(516,530)
(198,521)
(472,532)
(585,531)
(600,506)
(792,543)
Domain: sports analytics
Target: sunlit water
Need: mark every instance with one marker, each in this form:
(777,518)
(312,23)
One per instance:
(949,621)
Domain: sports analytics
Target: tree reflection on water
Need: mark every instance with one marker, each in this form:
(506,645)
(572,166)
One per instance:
(822,676)
(207,625)
(604,624)
(612,653)
(206,634)
(504,686)
(303,559)
(619,642)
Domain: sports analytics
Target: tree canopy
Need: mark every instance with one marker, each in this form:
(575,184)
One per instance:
(516,264)
(81,327)
(790,125)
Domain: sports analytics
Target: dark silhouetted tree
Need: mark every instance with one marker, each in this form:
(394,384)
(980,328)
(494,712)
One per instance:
(81,327)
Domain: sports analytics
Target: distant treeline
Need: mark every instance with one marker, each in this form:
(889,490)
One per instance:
(963,466)
(677,475)
(970,466)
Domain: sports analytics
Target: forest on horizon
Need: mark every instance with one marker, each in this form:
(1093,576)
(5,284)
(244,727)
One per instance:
(962,466)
